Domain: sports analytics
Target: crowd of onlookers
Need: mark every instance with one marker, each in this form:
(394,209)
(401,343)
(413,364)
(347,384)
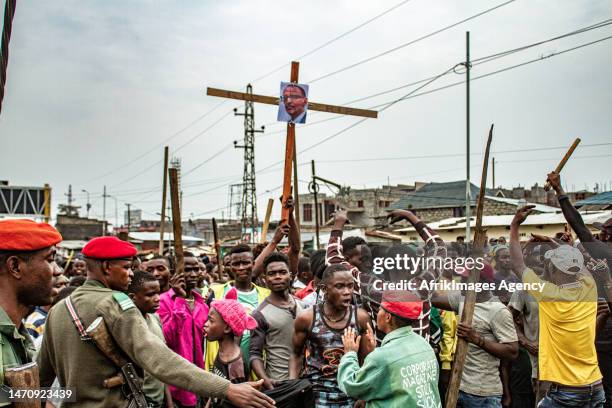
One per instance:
(314,327)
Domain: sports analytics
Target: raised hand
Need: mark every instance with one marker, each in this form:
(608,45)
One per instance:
(350,342)
(554,179)
(370,339)
(340,217)
(280,232)
(522,213)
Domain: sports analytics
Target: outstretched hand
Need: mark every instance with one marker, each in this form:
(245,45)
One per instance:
(247,395)
(350,340)
(398,215)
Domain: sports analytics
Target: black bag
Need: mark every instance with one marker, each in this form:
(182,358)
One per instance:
(292,394)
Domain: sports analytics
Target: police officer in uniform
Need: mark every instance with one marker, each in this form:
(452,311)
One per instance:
(27,268)
(80,365)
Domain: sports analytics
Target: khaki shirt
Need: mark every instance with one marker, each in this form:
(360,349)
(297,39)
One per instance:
(16,346)
(81,366)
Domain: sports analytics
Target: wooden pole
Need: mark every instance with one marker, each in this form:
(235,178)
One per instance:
(289,149)
(217,246)
(264,228)
(470,297)
(162,225)
(47,210)
(176,221)
(564,160)
(296,196)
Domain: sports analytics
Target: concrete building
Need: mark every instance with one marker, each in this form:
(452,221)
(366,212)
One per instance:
(77,228)
(438,201)
(497,226)
(364,206)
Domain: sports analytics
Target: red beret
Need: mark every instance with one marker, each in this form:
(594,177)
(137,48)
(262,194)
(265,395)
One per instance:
(109,248)
(27,235)
(403,304)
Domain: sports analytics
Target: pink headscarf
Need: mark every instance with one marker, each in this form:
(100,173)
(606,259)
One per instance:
(234,314)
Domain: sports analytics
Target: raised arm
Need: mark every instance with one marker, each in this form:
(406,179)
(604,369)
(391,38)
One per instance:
(434,245)
(516,252)
(279,234)
(571,214)
(149,352)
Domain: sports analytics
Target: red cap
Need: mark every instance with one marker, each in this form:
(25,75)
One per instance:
(109,248)
(404,304)
(27,235)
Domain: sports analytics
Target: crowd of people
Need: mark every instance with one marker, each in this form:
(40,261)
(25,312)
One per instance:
(295,328)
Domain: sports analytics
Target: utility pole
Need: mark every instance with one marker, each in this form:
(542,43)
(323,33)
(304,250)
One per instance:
(69,195)
(314,189)
(129,217)
(88,202)
(249,196)
(104,195)
(468,193)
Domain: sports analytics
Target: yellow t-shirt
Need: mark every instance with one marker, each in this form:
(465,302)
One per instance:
(567,330)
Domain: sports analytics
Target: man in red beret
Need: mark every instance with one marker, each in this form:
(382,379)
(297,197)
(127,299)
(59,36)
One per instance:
(27,268)
(67,355)
(403,371)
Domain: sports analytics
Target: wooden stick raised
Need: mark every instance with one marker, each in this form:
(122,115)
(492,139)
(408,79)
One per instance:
(162,226)
(266,224)
(289,150)
(176,222)
(564,160)
(217,246)
(467,314)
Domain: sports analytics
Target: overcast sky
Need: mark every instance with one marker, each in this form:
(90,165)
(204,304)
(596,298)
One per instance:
(95,89)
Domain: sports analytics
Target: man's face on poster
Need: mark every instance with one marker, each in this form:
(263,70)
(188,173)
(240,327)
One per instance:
(295,100)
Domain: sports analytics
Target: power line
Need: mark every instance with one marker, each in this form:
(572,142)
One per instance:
(156,147)
(541,58)
(478,61)
(389,51)
(438,156)
(325,44)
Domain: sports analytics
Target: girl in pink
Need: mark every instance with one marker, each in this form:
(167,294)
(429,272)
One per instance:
(226,323)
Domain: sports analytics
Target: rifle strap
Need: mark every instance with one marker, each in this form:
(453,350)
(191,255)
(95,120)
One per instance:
(76,320)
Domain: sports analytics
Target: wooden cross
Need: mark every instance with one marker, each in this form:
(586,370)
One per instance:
(290,144)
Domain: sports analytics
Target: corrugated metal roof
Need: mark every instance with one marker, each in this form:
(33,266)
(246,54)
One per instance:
(438,195)
(599,199)
(513,201)
(505,220)
(154,236)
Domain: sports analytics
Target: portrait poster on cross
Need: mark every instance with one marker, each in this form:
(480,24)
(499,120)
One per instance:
(293,102)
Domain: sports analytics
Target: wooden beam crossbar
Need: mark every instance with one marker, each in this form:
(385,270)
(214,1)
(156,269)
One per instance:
(273,100)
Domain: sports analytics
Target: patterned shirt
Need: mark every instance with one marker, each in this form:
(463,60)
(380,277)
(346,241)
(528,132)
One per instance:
(370,298)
